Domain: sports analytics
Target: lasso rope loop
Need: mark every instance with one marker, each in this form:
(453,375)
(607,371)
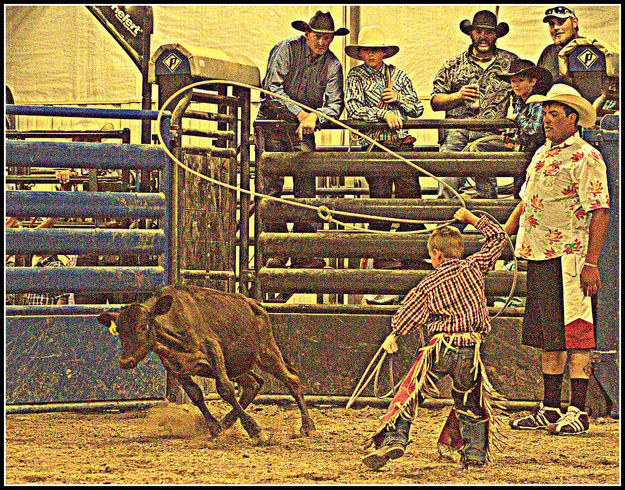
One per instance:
(319,114)
(323,211)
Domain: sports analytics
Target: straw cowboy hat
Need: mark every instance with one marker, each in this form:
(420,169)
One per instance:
(371,37)
(543,77)
(322,23)
(91,125)
(567,95)
(485,19)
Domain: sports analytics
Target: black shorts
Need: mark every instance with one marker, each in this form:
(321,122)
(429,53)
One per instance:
(557,315)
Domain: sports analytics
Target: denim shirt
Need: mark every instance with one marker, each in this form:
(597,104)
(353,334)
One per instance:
(292,72)
(495,93)
(529,118)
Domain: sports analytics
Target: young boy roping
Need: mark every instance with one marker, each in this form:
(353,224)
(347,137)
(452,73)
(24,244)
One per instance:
(451,304)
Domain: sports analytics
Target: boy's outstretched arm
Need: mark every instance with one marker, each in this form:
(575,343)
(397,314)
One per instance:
(495,239)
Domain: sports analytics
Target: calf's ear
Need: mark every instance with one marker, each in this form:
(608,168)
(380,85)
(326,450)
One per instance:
(107,317)
(163,304)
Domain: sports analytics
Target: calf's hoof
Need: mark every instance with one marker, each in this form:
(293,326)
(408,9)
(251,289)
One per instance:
(308,430)
(259,439)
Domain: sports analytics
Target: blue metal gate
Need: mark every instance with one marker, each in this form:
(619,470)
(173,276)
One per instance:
(606,357)
(61,353)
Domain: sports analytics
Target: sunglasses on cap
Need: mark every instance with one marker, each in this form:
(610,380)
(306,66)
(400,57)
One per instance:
(559,10)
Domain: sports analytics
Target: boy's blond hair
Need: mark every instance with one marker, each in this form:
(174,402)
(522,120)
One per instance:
(448,240)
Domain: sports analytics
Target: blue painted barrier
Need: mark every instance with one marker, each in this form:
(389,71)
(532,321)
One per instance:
(85,204)
(61,354)
(51,240)
(606,359)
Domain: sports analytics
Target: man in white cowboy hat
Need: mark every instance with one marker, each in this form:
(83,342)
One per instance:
(467,87)
(304,69)
(562,221)
(563,27)
(379,92)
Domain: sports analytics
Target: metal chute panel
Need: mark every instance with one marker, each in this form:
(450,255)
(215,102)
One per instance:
(51,359)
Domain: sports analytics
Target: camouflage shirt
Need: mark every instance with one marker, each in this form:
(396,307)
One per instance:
(462,70)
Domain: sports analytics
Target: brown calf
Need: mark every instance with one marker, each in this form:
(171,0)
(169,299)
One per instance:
(204,332)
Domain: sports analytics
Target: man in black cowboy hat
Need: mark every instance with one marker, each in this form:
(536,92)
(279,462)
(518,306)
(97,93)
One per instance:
(303,69)
(563,27)
(467,87)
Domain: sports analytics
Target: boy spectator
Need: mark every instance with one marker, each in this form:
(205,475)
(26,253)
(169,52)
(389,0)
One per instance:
(526,80)
(377,91)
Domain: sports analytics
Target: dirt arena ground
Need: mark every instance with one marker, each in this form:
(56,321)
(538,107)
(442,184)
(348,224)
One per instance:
(168,444)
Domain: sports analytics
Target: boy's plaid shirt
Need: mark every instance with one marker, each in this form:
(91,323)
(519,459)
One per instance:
(451,299)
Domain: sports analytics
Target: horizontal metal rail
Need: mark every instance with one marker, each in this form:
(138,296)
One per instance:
(363,309)
(211,150)
(419,209)
(100,241)
(357,281)
(209,133)
(363,126)
(206,98)
(85,204)
(38,133)
(84,406)
(355,245)
(86,279)
(55,154)
(90,112)
(60,310)
(40,178)
(447,164)
(208,274)
(210,116)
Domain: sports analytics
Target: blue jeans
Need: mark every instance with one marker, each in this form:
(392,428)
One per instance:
(457,140)
(457,362)
(303,186)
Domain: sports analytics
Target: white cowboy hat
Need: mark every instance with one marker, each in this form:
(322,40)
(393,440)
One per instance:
(567,95)
(371,37)
(91,125)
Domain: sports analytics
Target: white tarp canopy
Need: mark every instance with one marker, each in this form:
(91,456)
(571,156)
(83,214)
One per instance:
(60,54)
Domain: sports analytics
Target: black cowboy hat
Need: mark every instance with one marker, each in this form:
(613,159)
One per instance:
(543,77)
(485,19)
(321,22)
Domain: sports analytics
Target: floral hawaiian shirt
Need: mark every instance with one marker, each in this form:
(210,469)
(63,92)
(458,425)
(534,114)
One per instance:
(564,184)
